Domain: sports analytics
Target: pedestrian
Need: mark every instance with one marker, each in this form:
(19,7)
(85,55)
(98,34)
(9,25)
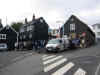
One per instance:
(36,45)
(33,43)
(82,40)
(39,45)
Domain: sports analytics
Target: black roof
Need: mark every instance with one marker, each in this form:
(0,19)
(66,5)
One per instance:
(74,17)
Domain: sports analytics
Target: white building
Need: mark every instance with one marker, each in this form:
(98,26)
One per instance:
(96,28)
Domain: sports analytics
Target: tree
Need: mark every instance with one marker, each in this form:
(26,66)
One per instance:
(16,25)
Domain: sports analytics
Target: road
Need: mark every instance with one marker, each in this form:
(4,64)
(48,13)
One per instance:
(70,62)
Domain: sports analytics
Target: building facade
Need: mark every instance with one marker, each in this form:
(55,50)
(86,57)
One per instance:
(96,28)
(75,27)
(8,38)
(37,29)
(1,26)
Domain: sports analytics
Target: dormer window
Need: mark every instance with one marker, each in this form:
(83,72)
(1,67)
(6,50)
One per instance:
(7,27)
(41,20)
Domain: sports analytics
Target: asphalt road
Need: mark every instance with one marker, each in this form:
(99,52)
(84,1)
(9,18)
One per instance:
(70,62)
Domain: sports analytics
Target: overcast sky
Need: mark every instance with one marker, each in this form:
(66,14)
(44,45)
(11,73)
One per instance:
(52,10)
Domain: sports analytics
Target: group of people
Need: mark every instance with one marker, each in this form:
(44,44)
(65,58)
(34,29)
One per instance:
(78,42)
(37,44)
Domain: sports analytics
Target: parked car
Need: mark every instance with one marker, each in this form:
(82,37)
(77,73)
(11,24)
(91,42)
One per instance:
(56,45)
(3,46)
(74,43)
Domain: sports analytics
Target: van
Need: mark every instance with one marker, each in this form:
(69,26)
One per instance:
(58,44)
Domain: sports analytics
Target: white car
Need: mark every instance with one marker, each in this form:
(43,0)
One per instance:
(3,46)
(58,44)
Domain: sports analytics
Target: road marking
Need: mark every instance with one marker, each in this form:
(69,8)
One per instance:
(50,67)
(97,70)
(80,72)
(45,58)
(51,60)
(18,58)
(28,54)
(22,56)
(64,69)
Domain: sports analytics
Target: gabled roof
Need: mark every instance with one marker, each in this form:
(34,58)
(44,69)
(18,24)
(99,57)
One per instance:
(7,26)
(74,17)
(34,21)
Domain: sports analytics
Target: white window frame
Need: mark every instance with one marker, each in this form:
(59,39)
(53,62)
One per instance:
(28,28)
(31,27)
(24,36)
(30,36)
(22,30)
(98,33)
(3,36)
(72,27)
(41,20)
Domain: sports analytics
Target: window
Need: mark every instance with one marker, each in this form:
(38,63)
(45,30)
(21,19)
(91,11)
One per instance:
(2,36)
(30,36)
(93,27)
(29,28)
(98,33)
(24,36)
(22,30)
(72,27)
(21,37)
(98,26)
(7,27)
(41,20)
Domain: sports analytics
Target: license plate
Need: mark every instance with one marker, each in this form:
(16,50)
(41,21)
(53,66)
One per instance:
(49,49)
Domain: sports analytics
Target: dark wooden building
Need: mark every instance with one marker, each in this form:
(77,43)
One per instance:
(37,29)
(74,26)
(8,37)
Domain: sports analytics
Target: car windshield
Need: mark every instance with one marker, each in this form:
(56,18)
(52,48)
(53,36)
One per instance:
(54,41)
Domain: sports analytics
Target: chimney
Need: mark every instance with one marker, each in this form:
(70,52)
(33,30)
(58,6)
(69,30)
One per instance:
(33,17)
(26,21)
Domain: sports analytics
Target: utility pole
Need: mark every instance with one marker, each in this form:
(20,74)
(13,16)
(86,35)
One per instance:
(59,21)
